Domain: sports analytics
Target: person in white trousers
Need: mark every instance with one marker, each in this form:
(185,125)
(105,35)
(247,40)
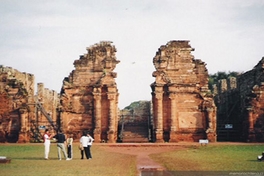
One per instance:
(47,144)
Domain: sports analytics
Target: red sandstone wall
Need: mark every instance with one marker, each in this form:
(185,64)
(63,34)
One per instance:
(16,92)
(19,120)
(89,95)
(182,107)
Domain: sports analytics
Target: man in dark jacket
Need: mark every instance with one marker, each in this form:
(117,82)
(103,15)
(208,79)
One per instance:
(61,143)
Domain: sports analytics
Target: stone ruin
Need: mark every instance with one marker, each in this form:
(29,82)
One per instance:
(20,113)
(240,106)
(16,92)
(182,107)
(89,96)
(46,112)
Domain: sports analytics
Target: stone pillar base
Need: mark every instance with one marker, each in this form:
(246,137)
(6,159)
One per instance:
(97,135)
(173,137)
(211,136)
(159,137)
(22,137)
(97,138)
(111,137)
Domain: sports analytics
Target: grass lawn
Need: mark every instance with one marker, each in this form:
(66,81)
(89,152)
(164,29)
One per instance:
(213,158)
(28,159)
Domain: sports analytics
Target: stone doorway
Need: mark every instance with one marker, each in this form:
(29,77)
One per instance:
(135,132)
(135,123)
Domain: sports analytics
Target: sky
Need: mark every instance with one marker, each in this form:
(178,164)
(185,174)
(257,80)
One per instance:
(44,37)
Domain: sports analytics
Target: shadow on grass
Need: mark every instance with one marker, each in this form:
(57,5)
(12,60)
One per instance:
(31,158)
(40,158)
(256,161)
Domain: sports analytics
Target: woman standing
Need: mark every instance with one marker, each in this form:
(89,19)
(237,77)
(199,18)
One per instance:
(46,138)
(90,142)
(69,146)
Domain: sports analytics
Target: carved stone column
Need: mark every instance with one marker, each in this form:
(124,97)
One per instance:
(112,118)
(23,135)
(159,122)
(23,121)
(174,119)
(97,113)
(211,130)
(251,133)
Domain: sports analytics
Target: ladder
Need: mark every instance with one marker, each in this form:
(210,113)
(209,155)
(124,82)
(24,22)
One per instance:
(40,107)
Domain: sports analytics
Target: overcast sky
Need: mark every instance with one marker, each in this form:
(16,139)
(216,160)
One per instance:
(44,37)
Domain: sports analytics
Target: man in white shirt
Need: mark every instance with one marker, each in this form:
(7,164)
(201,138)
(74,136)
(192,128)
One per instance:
(86,141)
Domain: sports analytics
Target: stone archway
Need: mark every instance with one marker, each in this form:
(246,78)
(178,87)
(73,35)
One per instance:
(135,123)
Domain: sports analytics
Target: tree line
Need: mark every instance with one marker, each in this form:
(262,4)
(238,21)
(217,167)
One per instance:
(214,78)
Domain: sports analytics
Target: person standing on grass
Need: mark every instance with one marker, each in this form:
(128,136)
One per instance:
(69,146)
(84,140)
(61,143)
(90,142)
(46,138)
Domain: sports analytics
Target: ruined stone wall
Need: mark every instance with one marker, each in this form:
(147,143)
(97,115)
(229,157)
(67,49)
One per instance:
(240,103)
(252,102)
(20,118)
(183,108)
(89,95)
(50,101)
(16,92)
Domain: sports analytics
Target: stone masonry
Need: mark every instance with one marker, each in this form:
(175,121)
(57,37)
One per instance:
(240,106)
(183,108)
(19,117)
(46,103)
(16,91)
(89,96)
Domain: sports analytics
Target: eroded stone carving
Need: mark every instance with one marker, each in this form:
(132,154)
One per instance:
(19,118)
(89,95)
(183,108)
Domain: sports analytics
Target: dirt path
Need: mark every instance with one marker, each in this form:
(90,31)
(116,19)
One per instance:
(142,152)
(144,162)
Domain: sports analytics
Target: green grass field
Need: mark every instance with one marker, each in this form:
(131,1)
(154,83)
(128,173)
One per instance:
(213,158)
(28,159)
